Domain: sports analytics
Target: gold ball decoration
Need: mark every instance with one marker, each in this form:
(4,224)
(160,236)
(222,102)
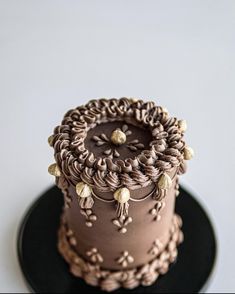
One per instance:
(83,190)
(182,124)
(118,137)
(54,170)
(188,153)
(50,140)
(164,182)
(165,112)
(122,195)
(133,100)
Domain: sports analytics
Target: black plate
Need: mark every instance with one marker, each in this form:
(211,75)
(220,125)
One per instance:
(45,270)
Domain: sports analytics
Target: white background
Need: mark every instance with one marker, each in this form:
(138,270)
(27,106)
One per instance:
(55,55)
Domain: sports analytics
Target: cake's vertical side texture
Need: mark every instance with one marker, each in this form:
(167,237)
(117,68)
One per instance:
(118,163)
(146,223)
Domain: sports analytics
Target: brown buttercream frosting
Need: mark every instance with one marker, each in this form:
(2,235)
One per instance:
(118,163)
(79,159)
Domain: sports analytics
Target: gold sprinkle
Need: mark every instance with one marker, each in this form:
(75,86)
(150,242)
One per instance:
(164,182)
(122,195)
(118,137)
(50,140)
(165,111)
(188,153)
(182,124)
(133,100)
(83,190)
(54,170)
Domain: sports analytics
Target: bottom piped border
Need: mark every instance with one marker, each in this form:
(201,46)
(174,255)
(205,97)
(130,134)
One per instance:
(109,281)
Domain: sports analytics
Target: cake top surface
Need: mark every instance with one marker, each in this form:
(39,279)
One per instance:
(118,140)
(110,143)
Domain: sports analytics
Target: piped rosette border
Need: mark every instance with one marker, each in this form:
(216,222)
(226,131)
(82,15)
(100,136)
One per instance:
(167,150)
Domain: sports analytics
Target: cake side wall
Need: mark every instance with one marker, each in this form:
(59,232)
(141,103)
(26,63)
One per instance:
(103,243)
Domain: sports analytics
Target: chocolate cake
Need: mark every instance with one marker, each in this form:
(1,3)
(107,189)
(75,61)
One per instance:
(117,164)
